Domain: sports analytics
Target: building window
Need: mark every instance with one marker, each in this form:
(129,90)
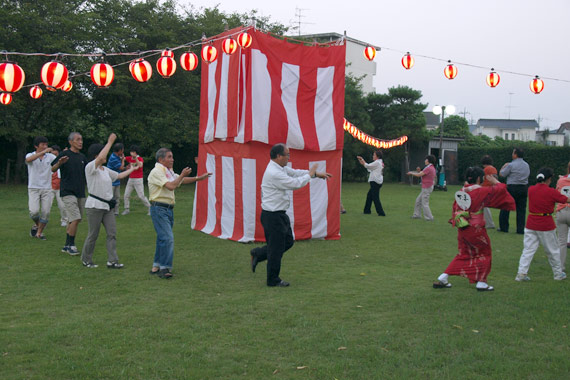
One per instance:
(506,136)
(512,136)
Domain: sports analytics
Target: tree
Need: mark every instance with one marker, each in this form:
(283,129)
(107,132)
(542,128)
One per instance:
(454,126)
(396,114)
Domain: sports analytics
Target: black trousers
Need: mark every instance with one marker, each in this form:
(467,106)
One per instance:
(279,238)
(520,194)
(374,196)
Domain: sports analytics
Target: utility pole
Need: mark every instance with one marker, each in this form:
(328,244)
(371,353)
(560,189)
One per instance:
(510,106)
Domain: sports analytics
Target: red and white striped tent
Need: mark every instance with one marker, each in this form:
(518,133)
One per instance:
(272,92)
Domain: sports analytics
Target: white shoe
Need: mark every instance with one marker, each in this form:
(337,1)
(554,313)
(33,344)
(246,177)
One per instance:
(522,277)
(126,212)
(63,223)
(561,277)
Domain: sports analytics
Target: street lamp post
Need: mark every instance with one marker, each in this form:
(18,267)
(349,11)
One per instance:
(440,110)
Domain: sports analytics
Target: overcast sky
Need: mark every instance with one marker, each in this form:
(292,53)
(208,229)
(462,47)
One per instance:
(522,36)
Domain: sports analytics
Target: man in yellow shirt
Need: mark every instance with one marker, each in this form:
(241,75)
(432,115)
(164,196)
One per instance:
(162,181)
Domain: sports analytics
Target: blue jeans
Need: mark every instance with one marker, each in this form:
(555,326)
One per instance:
(163,220)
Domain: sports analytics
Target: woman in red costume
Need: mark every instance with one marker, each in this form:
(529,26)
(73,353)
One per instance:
(474,258)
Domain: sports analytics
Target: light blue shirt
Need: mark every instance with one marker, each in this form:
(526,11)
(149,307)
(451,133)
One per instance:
(517,172)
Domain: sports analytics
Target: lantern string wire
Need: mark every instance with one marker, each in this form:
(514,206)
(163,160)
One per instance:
(206,41)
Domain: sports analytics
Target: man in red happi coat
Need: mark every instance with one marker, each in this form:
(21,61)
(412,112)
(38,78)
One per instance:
(474,258)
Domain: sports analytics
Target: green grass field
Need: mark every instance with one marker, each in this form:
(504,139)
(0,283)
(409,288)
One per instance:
(359,308)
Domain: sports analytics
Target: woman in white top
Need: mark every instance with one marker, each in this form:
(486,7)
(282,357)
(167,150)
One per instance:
(375,179)
(97,206)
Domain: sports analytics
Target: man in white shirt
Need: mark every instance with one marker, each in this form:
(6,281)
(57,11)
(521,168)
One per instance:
(40,196)
(277,180)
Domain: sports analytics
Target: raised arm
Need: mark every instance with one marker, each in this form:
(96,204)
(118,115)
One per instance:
(102,156)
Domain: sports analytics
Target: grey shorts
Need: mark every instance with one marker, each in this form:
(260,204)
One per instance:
(73,207)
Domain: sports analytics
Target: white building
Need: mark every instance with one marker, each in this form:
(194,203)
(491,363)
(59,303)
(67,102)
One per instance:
(357,64)
(550,138)
(508,129)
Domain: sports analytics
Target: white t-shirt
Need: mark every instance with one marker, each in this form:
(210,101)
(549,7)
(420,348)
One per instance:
(39,171)
(99,183)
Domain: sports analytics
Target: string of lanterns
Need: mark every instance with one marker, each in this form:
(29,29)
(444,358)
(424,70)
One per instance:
(450,71)
(373,141)
(55,75)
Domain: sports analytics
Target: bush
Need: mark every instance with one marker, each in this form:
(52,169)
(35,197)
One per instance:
(536,156)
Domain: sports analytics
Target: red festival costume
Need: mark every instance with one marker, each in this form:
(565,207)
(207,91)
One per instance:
(474,258)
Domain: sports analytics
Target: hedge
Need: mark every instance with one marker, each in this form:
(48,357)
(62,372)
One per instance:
(556,158)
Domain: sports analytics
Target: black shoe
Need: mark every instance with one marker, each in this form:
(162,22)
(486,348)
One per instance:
(254,261)
(165,274)
(281,284)
(34,231)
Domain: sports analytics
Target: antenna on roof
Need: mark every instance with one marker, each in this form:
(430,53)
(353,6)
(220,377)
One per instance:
(510,106)
(299,15)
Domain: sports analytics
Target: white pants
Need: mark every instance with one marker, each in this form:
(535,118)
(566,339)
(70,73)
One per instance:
(422,204)
(60,206)
(39,204)
(489,223)
(549,241)
(562,223)
(138,185)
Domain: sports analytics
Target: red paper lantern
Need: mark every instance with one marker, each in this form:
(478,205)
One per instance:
(493,79)
(229,46)
(189,61)
(244,40)
(369,53)
(167,53)
(536,85)
(5,98)
(11,77)
(36,92)
(67,86)
(407,61)
(166,66)
(209,53)
(450,71)
(102,74)
(54,74)
(141,70)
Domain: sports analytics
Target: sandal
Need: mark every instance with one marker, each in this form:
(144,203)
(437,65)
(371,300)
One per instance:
(165,274)
(153,271)
(441,285)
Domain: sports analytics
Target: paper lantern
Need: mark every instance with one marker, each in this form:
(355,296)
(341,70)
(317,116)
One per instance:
(54,74)
(369,53)
(102,74)
(407,61)
(5,98)
(493,79)
(67,86)
(36,92)
(450,71)
(141,70)
(11,77)
(189,61)
(536,85)
(209,53)
(166,66)
(229,46)
(244,40)
(167,53)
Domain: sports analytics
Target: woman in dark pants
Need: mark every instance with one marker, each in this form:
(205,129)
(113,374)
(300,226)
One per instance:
(375,179)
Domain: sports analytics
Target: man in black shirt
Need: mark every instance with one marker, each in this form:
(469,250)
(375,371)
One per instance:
(71,163)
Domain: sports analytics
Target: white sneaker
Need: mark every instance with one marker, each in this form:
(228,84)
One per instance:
(72,250)
(126,212)
(63,223)
(560,277)
(522,277)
